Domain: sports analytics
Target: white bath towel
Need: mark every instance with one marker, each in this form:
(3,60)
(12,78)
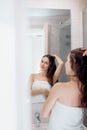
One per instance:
(65,117)
(37,85)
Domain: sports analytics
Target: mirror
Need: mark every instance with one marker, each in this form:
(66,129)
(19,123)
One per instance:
(50,33)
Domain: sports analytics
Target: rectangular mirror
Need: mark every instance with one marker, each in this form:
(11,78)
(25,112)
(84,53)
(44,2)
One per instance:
(49,33)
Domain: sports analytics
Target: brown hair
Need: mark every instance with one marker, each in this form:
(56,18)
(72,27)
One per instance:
(51,69)
(79,65)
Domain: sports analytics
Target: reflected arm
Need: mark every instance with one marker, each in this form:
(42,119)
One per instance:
(37,91)
(33,92)
(45,92)
(59,68)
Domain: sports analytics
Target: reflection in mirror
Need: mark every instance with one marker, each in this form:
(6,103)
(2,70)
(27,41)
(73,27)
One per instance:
(49,34)
(85,27)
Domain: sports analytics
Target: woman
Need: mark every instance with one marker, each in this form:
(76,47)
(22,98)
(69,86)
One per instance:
(66,100)
(42,82)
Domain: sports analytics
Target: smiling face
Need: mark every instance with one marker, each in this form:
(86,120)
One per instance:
(68,68)
(44,65)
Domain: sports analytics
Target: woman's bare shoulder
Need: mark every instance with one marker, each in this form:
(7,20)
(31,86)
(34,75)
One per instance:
(33,76)
(59,89)
(61,84)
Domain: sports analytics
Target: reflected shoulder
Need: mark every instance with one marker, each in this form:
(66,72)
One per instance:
(32,75)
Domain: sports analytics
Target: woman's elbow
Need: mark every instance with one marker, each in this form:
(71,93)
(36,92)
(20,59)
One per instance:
(45,92)
(62,63)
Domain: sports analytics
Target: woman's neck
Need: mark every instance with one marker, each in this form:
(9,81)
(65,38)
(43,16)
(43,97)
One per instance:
(74,79)
(42,73)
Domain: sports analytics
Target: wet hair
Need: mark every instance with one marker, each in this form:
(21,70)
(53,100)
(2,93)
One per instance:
(51,69)
(79,65)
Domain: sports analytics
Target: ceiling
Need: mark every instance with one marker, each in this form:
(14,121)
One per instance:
(38,16)
(47,12)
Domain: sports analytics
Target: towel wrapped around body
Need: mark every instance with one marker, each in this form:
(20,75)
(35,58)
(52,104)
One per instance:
(65,117)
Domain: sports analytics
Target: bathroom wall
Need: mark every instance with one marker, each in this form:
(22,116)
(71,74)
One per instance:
(8,115)
(64,47)
(85,27)
(60,43)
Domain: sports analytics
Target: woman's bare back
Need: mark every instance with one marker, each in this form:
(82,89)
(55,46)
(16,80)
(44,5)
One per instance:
(70,94)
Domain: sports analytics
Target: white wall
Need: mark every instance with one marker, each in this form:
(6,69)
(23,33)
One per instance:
(7,66)
(23,66)
(15,66)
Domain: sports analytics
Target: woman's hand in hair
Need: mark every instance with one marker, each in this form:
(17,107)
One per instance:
(59,60)
(85,53)
(58,69)
(55,56)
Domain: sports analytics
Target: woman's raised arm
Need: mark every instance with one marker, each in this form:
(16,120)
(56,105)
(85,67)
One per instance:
(59,68)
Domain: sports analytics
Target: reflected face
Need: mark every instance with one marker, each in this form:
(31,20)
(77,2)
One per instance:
(44,65)
(68,68)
